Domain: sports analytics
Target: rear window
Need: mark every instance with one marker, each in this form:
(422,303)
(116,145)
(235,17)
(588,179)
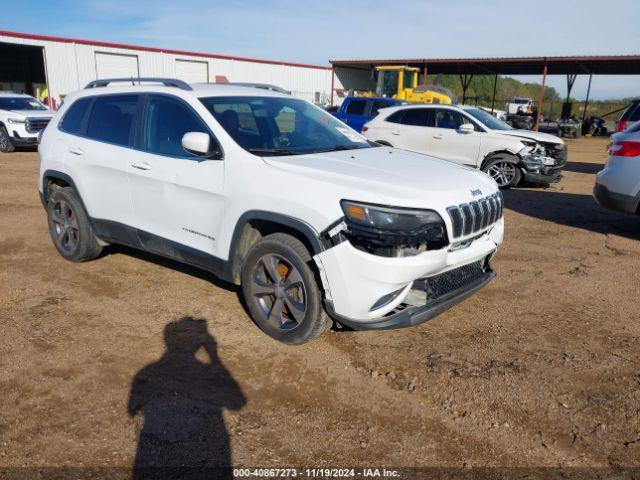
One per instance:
(72,121)
(632,113)
(356,107)
(396,117)
(112,117)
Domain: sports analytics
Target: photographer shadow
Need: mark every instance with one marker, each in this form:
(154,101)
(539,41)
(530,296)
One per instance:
(181,399)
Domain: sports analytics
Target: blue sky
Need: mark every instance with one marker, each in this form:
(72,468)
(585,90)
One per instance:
(315,32)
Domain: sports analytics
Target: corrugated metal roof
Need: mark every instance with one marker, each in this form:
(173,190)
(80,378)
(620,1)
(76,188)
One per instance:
(153,49)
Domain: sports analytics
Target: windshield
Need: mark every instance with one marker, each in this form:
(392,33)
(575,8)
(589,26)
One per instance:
(521,101)
(282,126)
(487,119)
(20,103)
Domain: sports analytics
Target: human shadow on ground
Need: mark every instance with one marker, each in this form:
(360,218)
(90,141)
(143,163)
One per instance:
(181,399)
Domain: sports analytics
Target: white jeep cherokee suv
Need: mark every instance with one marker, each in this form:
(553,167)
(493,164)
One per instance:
(22,118)
(271,193)
(472,137)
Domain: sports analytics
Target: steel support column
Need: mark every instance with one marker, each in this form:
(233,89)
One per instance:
(586,102)
(333,75)
(544,81)
(493,99)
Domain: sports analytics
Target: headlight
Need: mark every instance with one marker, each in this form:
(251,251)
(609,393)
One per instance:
(386,218)
(15,120)
(535,155)
(393,231)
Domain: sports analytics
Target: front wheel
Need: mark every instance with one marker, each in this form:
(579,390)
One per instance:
(503,170)
(281,292)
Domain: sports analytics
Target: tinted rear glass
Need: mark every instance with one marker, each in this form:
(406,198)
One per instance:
(422,117)
(356,107)
(632,111)
(396,117)
(112,117)
(72,121)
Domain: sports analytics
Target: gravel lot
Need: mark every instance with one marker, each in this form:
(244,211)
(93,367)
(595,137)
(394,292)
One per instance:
(540,368)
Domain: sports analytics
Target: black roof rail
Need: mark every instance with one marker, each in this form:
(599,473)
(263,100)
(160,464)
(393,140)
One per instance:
(167,82)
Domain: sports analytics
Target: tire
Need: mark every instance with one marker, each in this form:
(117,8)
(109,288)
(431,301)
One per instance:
(69,227)
(276,273)
(505,164)
(6,145)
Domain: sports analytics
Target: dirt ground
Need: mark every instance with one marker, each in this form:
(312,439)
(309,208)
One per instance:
(539,369)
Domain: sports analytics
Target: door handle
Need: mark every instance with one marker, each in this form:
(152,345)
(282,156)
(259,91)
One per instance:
(141,165)
(437,135)
(395,132)
(76,151)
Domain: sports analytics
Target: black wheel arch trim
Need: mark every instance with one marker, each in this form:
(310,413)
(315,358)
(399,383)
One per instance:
(296,224)
(488,157)
(56,174)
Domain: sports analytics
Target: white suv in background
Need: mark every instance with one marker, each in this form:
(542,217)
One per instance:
(472,137)
(22,118)
(271,193)
(618,185)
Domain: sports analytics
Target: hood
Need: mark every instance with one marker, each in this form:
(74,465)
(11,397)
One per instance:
(34,113)
(531,135)
(391,176)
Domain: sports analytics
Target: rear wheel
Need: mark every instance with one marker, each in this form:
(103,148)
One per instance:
(6,145)
(281,292)
(70,228)
(504,170)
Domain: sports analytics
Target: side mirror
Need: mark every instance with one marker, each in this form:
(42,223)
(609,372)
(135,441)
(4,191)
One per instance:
(199,144)
(466,128)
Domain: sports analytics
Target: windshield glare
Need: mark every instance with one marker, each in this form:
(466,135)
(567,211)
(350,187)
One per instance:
(487,119)
(20,103)
(281,126)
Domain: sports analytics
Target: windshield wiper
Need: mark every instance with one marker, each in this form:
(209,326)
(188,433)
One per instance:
(273,151)
(336,148)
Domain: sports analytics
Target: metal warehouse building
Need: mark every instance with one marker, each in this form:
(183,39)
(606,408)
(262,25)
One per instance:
(28,63)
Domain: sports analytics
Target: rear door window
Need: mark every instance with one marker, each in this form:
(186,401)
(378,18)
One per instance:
(73,119)
(111,119)
(419,117)
(356,107)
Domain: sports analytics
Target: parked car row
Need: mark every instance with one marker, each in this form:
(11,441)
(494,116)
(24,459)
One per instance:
(269,192)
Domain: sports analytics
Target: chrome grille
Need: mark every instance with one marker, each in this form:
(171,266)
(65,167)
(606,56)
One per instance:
(34,125)
(475,216)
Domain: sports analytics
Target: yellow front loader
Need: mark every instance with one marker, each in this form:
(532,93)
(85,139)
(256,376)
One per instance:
(401,82)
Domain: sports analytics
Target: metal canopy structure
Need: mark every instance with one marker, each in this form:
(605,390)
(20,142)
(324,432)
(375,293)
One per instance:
(580,65)
(466,68)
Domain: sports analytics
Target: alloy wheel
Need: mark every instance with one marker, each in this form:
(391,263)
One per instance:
(278,290)
(4,140)
(65,226)
(503,173)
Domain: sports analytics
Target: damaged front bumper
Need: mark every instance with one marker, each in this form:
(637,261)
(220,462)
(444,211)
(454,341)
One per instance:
(417,287)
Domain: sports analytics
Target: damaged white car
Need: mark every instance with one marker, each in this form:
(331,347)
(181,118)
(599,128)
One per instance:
(271,193)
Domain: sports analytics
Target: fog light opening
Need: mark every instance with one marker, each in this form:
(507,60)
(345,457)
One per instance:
(386,299)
